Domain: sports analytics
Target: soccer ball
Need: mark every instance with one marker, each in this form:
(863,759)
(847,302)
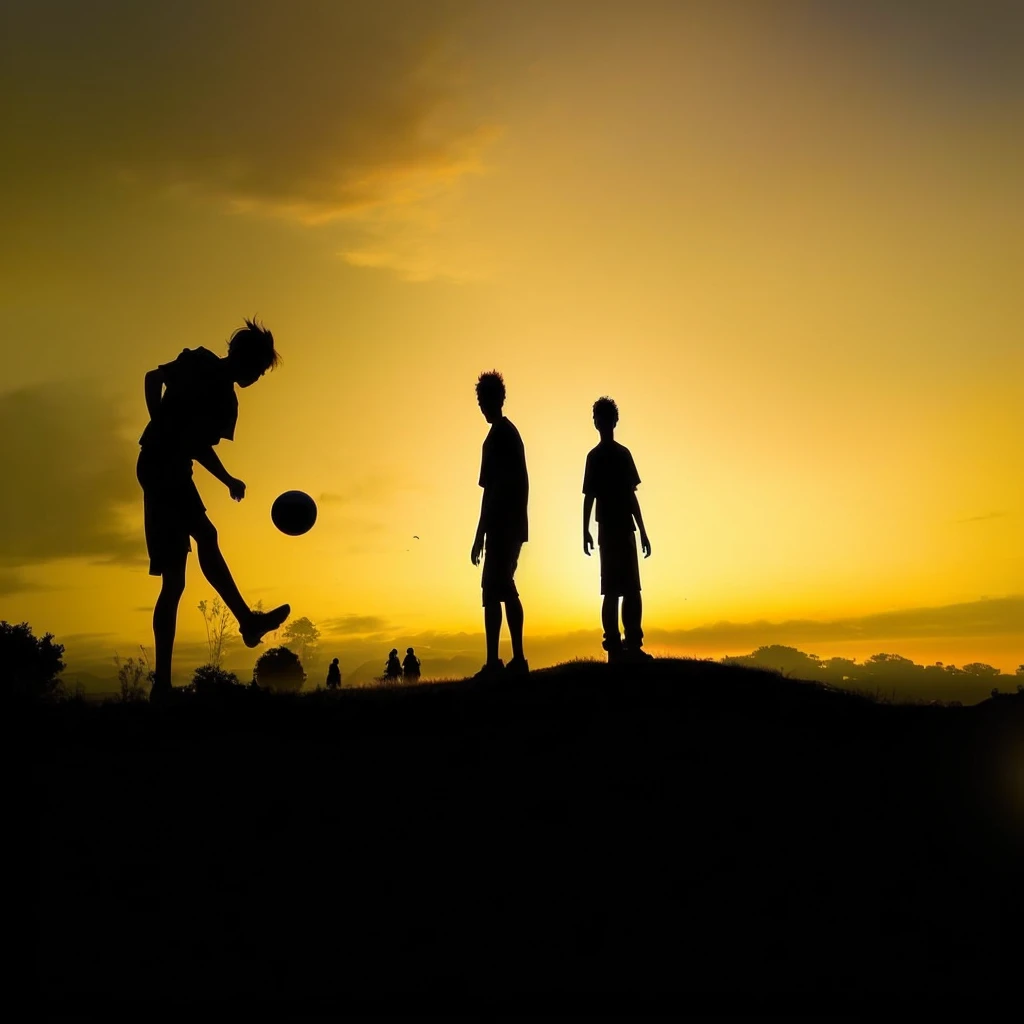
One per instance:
(293,512)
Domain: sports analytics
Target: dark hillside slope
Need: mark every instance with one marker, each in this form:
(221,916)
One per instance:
(685,826)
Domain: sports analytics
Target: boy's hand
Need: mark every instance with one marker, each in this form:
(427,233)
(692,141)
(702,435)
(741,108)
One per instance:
(588,543)
(478,549)
(645,543)
(236,488)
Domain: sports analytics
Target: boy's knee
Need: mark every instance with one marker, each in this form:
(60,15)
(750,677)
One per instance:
(205,534)
(173,584)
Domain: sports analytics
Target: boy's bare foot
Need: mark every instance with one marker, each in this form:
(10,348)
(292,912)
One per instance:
(517,667)
(264,622)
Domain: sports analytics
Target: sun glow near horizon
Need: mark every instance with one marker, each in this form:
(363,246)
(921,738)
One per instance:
(787,247)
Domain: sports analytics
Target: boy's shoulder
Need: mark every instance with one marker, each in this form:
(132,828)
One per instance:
(508,427)
(608,448)
(503,433)
(193,362)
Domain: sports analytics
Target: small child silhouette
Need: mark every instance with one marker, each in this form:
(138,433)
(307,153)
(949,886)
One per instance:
(393,669)
(411,665)
(333,676)
(192,407)
(610,480)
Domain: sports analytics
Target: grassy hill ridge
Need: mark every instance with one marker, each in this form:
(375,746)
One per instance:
(682,826)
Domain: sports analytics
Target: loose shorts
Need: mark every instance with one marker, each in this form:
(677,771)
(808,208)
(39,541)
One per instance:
(620,567)
(173,510)
(501,557)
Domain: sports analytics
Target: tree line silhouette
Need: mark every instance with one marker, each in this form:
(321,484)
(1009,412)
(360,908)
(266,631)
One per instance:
(31,668)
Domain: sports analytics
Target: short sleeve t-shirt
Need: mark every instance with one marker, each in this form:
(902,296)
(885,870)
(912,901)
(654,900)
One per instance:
(505,482)
(198,407)
(610,479)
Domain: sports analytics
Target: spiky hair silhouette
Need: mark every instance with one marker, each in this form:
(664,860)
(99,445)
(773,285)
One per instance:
(490,385)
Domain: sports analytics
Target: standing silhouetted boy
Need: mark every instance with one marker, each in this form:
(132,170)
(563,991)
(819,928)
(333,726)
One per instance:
(192,406)
(611,480)
(503,524)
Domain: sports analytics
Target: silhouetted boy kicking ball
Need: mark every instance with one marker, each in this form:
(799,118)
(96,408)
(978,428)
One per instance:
(611,480)
(503,525)
(192,406)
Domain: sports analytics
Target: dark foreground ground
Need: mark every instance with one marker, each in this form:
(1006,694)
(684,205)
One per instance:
(589,837)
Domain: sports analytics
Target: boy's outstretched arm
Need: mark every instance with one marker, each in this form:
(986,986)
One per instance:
(210,460)
(154,390)
(638,516)
(588,541)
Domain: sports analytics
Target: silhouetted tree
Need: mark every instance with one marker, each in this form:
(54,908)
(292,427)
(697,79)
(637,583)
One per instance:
(839,670)
(302,634)
(1020,670)
(209,679)
(279,669)
(980,670)
(783,659)
(29,667)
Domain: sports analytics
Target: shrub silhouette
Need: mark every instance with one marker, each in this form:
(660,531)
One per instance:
(279,669)
(211,679)
(131,674)
(29,667)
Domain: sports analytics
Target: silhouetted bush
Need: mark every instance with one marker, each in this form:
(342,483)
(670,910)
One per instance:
(210,679)
(29,667)
(279,669)
(132,674)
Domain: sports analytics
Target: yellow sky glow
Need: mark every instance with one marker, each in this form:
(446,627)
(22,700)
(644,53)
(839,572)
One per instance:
(789,251)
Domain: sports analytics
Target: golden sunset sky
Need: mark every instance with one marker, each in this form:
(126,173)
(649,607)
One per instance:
(787,238)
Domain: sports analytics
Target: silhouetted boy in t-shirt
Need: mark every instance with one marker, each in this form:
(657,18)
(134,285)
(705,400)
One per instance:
(503,525)
(192,406)
(611,480)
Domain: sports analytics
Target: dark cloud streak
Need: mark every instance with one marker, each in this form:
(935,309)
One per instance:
(311,110)
(996,617)
(68,471)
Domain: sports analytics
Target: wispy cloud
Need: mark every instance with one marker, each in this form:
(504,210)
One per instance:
(983,518)
(369,488)
(13,582)
(353,625)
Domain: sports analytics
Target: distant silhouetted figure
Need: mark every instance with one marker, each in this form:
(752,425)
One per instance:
(411,665)
(192,406)
(393,669)
(611,480)
(503,525)
(333,676)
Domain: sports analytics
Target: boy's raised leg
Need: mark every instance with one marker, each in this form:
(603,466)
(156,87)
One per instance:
(252,625)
